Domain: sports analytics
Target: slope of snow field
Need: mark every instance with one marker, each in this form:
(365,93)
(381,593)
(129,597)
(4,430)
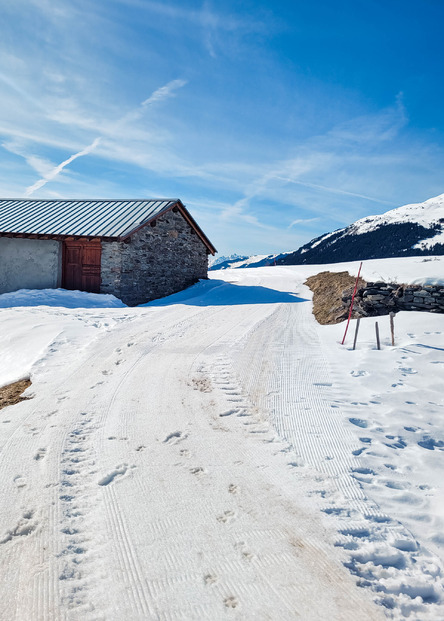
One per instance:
(207,457)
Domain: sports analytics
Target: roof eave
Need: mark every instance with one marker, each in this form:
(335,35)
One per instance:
(49,237)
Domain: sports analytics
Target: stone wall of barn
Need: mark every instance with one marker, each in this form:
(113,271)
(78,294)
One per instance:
(157,261)
(29,264)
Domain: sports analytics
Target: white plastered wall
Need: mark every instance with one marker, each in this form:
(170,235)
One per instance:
(29,264)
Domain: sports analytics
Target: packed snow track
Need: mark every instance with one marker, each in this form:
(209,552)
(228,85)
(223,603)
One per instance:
(189,460)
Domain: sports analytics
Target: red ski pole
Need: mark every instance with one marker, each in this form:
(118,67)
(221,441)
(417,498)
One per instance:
(351,305)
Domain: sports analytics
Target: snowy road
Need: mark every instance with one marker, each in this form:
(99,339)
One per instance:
(188,464)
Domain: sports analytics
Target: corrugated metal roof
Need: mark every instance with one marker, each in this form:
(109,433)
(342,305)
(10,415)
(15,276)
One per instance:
(85,218)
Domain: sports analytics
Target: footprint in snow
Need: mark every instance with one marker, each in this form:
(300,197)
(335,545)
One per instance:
(363,475)
(210,579)
(175,437)
(244,551)
(430,443)
(358,452)
(407,371)
(25,526)
(230,602)
(295,464)
(359,422)
(337,511)
(227,516)
(398,442)
(378,518)
(358,373)
(41,453)
(197,471)
(397,485)
(228,413)
(119,471)
(360,532)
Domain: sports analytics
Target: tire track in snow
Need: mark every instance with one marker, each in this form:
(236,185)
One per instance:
(140,600)
(137,588)
(169,556)
(78,572)
(32,434)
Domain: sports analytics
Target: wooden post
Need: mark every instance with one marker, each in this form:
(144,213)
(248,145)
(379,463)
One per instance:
(378,344)
(356,332)
(352,301)
(392,326)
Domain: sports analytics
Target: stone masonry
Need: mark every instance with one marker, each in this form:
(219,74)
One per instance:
(380,298)
(156,261)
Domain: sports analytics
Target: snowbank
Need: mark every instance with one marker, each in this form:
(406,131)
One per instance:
(59,297)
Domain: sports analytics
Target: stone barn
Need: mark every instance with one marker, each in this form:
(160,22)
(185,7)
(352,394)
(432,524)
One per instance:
(138,250)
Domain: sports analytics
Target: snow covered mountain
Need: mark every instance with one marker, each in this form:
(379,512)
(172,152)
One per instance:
(416,229)
(214,261)
(256,260)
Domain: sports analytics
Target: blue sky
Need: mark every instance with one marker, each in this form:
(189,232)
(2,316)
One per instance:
(273,122)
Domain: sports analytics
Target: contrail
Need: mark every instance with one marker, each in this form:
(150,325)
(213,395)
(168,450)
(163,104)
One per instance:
(55,171)
(163,92)
(316,186)
(302,221)
(158,95)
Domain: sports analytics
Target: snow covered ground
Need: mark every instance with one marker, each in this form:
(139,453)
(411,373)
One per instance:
(219,455)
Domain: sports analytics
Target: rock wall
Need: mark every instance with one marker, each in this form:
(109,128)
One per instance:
(157,261)
(379,298)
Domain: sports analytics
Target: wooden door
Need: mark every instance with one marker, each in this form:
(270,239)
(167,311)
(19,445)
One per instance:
(81,265)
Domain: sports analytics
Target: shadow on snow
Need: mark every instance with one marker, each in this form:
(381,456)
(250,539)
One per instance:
(222,293)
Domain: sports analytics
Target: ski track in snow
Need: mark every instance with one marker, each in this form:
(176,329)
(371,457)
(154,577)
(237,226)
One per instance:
(188,465)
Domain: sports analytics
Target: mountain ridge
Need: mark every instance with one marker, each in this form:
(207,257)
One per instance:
(411,230)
